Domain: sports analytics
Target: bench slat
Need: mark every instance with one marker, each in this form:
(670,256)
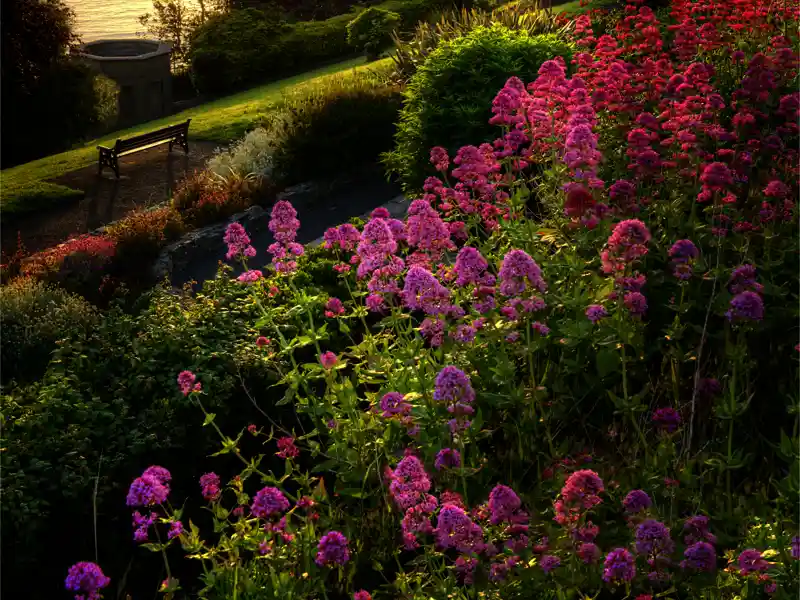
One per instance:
(174,134)
(152,136)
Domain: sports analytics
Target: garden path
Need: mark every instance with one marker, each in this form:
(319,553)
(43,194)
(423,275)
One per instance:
(146,178)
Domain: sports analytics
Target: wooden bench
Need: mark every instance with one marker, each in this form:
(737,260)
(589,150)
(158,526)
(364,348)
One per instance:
(174,134)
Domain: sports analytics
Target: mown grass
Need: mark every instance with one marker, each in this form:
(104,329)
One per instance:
(25,188)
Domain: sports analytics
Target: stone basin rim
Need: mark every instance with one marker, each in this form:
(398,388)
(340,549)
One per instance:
(150,49)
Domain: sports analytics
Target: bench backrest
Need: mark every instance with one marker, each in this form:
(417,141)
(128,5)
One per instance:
(145,139)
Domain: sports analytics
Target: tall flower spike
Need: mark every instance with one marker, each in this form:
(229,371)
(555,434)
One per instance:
(518,273)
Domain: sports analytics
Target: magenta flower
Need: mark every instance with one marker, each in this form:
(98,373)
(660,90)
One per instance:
(394,403)
(465,569)
(284,225)
(503,504)
(409,482)
(426,230)
(596,312)
(696,530)
(588,552)
(700,556)
(283,222)
(334,308)
(683,253)
(375,303)
(636,303)
(636,501)
(440,159)
(160,473)
(751,561)
(447,458)
(626,244)
(142,526)
(743,278)
(652,539)
(518,272)
(583,488)
(620,566)
(549,562)
(269,501)
(238,242)
(540,328)
(346,236)
(328,359)
(777,189)
(416,520)
(747,306)
(186,381)
(716,176)
(362,595)
(87,579)
(332,550)
(209,484)
(422,291)
(667,418)
(453,385)
(470,268)
(147,490)
(175,530)
(455,529)
(376,245)
(250,276)
(286,448)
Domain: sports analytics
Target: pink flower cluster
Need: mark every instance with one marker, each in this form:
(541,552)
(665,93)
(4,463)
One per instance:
(284,225)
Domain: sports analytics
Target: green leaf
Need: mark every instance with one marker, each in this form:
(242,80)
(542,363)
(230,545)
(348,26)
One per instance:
(209,418)
(287,397)
(151,547)
(607,362)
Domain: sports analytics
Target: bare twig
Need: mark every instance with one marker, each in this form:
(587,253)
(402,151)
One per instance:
(258,408)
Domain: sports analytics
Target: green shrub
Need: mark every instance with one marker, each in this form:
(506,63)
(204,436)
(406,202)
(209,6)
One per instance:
(248,46)
(448,100)
(33,318)
(371,30)
(234,48)
(410,52)
(107,404)
(87,105)
(324,129)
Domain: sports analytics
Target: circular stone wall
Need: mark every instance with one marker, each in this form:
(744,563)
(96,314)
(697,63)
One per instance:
(141,68)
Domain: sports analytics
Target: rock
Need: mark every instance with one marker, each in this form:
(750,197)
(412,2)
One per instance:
(397,208)
(206,240)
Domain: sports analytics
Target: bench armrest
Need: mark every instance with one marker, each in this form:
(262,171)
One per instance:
(104,148)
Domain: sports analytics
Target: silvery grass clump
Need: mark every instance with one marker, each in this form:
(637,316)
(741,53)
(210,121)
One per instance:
(250,155)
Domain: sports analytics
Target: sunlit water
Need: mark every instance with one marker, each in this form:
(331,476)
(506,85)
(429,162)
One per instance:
(97,19)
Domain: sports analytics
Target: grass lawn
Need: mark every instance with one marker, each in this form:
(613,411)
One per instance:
(23,188)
